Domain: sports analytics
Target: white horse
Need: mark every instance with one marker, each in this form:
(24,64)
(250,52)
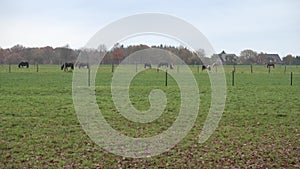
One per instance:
(216,65)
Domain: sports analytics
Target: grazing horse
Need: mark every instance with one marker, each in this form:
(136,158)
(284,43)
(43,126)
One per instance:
(163,64)
(82,65)
(216,65)
(271,64)
(66,65)
(206,67)
(171,66)
(23,64)
(147,65)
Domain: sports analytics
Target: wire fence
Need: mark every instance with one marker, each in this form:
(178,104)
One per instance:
(238,75)
(32,68)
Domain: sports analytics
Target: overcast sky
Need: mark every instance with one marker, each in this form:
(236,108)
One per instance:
(271,26)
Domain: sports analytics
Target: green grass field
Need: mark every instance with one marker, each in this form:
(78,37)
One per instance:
(260,127)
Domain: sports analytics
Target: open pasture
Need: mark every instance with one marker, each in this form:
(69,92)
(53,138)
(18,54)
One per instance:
(260,126)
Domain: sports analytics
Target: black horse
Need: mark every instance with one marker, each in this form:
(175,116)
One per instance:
(163,64)
(270,64)
(206,67)
(147,65)
(24,64)
(66,65)
(82,65)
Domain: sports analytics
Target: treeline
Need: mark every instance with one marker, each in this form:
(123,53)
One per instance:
(44,55)
(59,55)
(49,55)
(249,56)
(291,60)
(119,52)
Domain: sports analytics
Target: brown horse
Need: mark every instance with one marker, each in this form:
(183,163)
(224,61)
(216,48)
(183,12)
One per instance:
(147,65)
(82,65)
(163,64)
(270,64)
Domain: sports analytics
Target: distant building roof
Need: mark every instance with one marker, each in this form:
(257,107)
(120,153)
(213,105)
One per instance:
(223,56)
(266,58)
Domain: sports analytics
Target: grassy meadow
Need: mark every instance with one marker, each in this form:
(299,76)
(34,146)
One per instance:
(260,126)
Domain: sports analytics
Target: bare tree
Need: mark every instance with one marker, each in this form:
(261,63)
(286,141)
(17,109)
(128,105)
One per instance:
(200,52)
(248,56)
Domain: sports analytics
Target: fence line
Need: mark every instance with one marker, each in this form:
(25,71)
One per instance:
(279,72)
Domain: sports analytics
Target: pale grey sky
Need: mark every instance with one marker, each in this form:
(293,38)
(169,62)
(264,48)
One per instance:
(271,26)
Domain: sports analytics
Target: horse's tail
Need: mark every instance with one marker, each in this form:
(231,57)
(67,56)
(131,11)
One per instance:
(62,66)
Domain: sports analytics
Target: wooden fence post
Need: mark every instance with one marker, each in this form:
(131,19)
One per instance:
(166,77)
(291,78)
(89,75)
(233,78)
(284,68)
(136,67)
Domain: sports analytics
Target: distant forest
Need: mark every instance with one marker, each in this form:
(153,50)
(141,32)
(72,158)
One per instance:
(59,55)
